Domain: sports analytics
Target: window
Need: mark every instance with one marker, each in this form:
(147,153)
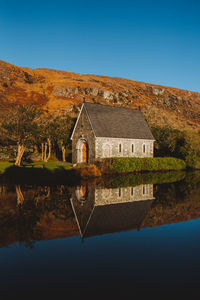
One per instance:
(144,189)
(132,148)
(120,148)
(132,191)
(144,148)
(120,192)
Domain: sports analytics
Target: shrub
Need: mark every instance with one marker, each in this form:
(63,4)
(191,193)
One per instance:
(133,164)
(192,161)
(88,171)
(175,143)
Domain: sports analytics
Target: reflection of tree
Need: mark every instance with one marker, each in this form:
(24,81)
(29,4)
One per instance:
(144,178)
(169,194)
(41,194)
(23,222)
(20,197)
(3,189)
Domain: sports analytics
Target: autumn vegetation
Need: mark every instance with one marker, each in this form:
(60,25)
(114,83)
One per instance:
(30,129)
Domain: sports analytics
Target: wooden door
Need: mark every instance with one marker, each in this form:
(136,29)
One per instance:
(84,152)
(83,190)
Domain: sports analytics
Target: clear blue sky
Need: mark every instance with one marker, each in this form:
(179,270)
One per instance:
(151,41)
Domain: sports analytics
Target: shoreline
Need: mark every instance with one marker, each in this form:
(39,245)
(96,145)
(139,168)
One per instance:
(58,172)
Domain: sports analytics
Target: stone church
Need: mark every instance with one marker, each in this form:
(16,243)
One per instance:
(103,131)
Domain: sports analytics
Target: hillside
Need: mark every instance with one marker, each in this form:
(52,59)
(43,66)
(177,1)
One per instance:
(58,91)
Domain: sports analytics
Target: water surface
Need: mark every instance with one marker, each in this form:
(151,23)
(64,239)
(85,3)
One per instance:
(138,234)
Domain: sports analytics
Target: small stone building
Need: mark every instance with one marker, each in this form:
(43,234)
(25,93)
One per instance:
(103,131)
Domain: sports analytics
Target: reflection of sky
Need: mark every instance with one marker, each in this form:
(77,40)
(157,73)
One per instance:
(153,41)
(162,257)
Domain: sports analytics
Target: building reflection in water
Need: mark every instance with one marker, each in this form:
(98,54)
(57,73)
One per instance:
(108,210)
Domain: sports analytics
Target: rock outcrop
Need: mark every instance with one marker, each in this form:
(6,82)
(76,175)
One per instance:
(59,91)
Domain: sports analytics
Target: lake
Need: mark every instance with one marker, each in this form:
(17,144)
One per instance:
(103,238)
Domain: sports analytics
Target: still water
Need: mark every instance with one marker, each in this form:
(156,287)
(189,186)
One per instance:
(135,233)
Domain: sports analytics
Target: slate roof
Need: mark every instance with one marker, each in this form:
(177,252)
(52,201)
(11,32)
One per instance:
(117,122)
(115,218)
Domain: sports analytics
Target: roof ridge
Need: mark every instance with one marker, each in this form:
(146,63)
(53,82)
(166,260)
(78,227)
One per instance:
(113,106)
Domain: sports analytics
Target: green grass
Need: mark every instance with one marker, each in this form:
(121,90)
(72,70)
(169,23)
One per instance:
(4,165)
(50,165)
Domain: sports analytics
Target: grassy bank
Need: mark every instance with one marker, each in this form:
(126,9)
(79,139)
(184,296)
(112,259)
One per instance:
(51,165)
(50,172)
(5,165)
(65,172)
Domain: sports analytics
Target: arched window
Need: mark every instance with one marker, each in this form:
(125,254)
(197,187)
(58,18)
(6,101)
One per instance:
(144,148)
(120,148)
(106,150)
(132,148)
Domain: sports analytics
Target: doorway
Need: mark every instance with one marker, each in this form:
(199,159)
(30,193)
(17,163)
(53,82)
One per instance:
(84,152)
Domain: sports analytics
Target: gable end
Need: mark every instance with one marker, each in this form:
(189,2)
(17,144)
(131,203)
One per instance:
(82,107)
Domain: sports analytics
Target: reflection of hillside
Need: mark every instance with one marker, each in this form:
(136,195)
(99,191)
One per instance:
(51,226)
(43,214)
(184,206)
(103,210)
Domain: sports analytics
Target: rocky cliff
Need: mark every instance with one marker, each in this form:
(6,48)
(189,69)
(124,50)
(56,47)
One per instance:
(59,91)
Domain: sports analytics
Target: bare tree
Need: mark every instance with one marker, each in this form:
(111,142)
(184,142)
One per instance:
(63,125)
(19,124)
(46,136)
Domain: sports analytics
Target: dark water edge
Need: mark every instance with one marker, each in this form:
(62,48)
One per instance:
(108,238)
(30,175)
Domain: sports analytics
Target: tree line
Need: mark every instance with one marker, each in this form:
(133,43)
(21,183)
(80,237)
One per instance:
(180,144)
(28,127)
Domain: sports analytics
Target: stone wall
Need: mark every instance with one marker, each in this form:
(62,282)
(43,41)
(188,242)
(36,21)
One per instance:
(83,132)
(124,194)
(110,147)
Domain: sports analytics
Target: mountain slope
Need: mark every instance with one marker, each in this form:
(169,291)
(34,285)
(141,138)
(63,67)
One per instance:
(58,91)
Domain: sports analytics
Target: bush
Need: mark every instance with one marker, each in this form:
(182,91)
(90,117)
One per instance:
(133,164)
(175,143)
(192,161)
(86,171)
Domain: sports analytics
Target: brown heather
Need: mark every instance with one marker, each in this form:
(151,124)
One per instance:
(58,91)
